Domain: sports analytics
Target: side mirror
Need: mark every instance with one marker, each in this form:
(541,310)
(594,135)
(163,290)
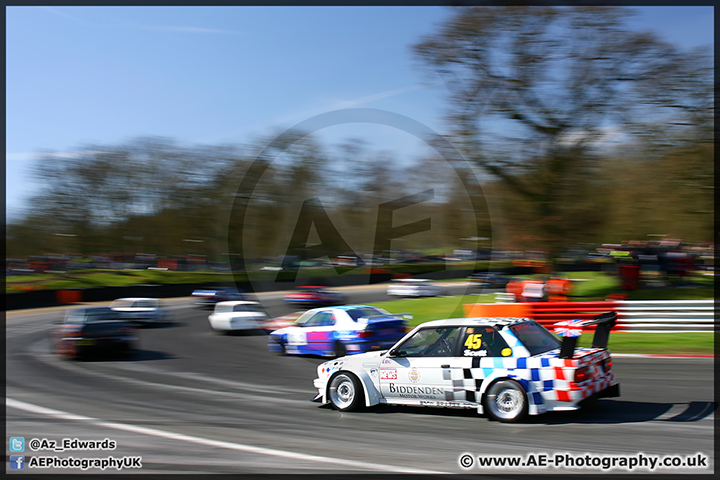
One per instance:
(397,353)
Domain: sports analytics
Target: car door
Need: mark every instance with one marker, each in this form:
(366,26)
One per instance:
(319,333)
(480,351)
(415,372)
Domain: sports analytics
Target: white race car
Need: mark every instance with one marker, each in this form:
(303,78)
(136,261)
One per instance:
(141,311)
(505,367)
(237,315)
(415,287)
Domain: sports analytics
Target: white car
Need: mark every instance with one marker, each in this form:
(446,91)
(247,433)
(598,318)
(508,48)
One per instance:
(237,315)
(507,368)
(141,311)
(414,287)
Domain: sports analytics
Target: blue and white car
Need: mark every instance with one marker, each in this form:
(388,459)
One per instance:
(339,331)
(507,368)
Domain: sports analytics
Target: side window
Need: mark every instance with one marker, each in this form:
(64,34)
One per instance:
(321,319)
(431,342)
(484,342)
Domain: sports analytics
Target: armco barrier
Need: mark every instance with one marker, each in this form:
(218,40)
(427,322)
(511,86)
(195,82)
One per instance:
(634,316)
(668,315)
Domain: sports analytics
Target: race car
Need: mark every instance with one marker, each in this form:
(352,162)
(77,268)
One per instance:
(311,296)
(415,287)
(488,280)
(339,331)
(506,367)
(141,311)
(87,330)
(209,297)
(237,315)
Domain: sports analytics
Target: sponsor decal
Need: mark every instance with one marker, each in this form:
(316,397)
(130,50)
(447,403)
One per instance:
(442,403)
(374,374)
(506,352)
(386,361)
(414,375)
(296,336)
(476,353)
(410,391)
(388,374)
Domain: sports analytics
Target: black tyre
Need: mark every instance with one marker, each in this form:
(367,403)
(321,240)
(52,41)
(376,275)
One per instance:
(506,401)
(339,349)
(345,392)
(280,344)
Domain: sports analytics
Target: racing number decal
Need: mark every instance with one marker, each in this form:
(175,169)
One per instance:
(474,341)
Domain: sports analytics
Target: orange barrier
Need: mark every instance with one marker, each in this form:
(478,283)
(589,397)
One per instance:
(69,296)
(497,310)
(545,313)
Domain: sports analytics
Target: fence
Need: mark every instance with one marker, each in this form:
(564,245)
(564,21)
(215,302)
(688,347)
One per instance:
(632,316)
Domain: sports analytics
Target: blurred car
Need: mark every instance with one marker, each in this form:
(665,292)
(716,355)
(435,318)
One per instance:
(209,297)
(311,296)
(338,331)
(488,280)
(93,330)
(414,287)
(507,368)
(142,311)
(237,315)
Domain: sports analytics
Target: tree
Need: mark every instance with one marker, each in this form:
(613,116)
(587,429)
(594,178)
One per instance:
(536,93)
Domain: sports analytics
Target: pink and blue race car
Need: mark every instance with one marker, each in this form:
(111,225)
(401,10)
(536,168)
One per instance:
(339,331)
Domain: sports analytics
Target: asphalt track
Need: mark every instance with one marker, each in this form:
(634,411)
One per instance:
(193,401)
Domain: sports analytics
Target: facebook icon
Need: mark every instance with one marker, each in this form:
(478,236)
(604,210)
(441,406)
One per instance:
(17,462)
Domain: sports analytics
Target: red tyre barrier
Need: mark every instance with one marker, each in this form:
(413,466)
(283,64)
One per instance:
(548,313)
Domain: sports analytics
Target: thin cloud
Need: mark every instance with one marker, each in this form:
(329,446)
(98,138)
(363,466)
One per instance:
(300,116)
(347,103)
(25,156)
(139,26)
(191,30)
(64,14)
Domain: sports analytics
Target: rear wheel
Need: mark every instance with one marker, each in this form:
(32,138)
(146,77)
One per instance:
(339,349)
(506,401)
(345,392)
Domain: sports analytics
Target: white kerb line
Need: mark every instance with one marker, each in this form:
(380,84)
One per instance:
(29,407)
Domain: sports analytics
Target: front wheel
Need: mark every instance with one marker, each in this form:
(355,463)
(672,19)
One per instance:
(506,401)
(281,345)
(345,391)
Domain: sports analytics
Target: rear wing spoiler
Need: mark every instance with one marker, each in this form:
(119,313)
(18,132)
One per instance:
(572,329)
(374,318)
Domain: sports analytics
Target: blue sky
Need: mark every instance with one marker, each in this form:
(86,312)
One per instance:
(77,76)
